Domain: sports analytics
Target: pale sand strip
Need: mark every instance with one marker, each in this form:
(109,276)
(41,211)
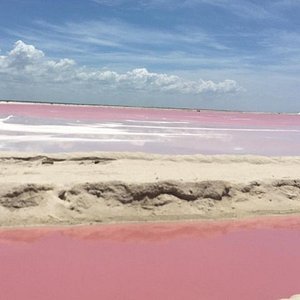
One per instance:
(82,188)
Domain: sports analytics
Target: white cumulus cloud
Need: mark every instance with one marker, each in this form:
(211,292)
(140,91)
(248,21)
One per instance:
(27,63)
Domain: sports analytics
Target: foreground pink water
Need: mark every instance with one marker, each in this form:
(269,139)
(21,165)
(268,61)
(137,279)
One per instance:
(241,260)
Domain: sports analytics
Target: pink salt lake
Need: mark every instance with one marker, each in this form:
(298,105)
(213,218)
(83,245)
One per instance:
(68,128)
(254,259)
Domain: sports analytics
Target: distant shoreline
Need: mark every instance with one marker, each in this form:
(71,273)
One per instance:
(142,107)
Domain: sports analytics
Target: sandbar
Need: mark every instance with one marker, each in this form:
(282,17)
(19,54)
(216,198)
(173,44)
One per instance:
(102,187)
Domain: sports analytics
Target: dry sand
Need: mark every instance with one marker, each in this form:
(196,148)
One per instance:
(36,189)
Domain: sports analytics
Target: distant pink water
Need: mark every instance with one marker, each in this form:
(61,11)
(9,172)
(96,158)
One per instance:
(221,260)
(97,113)
(69,128)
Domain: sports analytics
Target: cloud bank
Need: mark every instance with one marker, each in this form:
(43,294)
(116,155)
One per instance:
(26,63)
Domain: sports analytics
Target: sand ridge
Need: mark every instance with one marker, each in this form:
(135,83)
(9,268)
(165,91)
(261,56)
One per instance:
(82,188)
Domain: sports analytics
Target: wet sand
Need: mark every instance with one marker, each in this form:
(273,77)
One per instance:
(130,187)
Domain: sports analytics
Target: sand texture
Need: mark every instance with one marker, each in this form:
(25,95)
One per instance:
(38,189)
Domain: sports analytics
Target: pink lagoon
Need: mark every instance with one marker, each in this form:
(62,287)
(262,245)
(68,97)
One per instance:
(150,150)
(254,259)
(79,128)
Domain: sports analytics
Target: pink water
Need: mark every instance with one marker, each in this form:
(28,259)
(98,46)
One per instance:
(96,113)
(67,128)
(225,260)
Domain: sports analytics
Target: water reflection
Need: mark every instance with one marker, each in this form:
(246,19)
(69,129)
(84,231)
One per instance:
(149,232)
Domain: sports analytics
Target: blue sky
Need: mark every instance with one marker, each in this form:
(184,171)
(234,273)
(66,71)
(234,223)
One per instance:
(222,54)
